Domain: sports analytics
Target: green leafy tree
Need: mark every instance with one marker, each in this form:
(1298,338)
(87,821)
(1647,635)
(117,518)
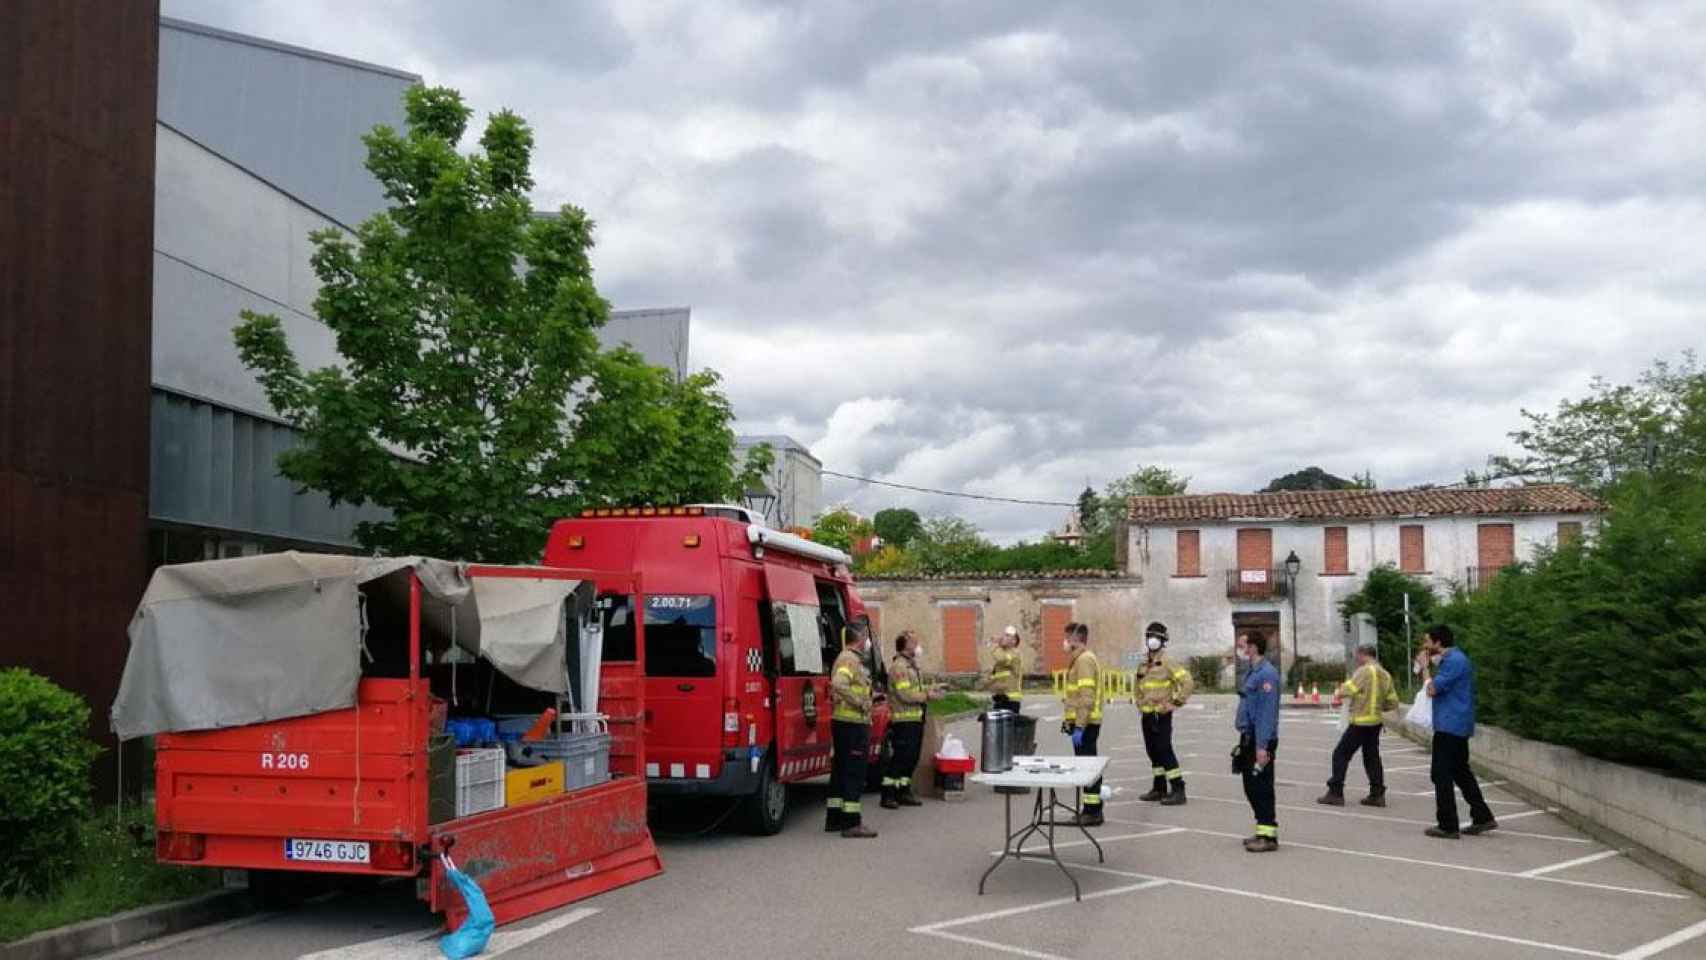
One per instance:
(1309,478)
(897,525)
(948,544)
(1382,597)
(841,528)
(472,400)
(1616,430)
(1103,525)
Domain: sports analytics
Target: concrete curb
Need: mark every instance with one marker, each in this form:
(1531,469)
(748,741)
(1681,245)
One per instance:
(1671,869)
(130,927)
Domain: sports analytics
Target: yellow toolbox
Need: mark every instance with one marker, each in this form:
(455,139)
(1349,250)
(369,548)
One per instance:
(526,785)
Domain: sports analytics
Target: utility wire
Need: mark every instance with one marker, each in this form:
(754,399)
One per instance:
(1486,478)
(952,493)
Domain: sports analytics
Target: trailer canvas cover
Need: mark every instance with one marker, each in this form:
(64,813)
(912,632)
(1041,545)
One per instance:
(233,642)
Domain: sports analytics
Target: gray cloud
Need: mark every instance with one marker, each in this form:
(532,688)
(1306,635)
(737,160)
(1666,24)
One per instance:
(1014,247)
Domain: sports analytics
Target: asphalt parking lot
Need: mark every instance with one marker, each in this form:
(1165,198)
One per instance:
(1176,882)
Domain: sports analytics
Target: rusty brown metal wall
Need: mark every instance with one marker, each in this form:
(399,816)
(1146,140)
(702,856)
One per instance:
(77,111)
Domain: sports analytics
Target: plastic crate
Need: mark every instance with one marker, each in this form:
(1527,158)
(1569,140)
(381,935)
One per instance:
(585,756)
(533,784)
(479,780)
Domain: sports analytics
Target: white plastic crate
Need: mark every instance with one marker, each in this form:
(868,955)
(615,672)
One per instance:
(479,780)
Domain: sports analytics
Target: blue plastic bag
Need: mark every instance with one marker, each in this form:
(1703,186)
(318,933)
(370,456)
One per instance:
(470,938)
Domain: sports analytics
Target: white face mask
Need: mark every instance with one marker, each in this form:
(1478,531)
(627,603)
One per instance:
(917,652)
(1154,644)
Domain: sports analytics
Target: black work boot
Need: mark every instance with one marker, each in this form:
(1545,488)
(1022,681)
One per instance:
(1332,798)
(835,822)
(890,801)
(1375,798)
(856,830)
(1090,816)
(1176,798)
(907,798)
(1261,845)
(1157,792)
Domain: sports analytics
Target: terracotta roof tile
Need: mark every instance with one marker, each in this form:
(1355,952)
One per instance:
(1362,504)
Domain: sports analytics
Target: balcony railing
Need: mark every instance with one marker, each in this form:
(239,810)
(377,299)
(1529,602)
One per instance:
(1255,584)
(1478,578)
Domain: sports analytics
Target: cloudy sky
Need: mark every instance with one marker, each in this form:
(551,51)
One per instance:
(1009,247)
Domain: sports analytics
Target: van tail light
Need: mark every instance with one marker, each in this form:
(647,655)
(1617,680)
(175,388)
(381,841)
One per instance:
(171,845)
(393,855)
(731,722)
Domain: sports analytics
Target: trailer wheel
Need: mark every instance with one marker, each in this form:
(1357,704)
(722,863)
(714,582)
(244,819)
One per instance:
(766,809)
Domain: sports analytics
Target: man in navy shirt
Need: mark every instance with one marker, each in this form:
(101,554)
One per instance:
(1258,730)
(1453,693)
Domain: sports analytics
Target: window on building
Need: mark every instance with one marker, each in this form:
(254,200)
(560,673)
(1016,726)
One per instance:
(1255,548)
(1569,531)
(959,638)
(1412,557)
(1056,615)
(1336,547)
(1495,546)
(1189,559)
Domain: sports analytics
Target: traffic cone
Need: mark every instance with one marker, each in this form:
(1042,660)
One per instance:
(1315,694)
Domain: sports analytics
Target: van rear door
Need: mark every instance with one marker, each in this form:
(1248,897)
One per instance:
(803,660)
(683,695)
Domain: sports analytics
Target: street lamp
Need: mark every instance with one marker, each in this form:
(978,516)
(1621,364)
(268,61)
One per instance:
(1292,565)
(759,501)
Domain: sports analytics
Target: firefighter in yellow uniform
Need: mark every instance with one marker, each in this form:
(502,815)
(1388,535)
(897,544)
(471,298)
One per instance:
(850,730)
(1163,687)
(909,695)
(1006,672)
(1372,693)
(1083,719)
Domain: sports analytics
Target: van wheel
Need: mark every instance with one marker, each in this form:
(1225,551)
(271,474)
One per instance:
(877,769)
(766,809)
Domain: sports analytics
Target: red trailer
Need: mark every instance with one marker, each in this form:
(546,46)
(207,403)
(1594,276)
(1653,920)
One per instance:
(242,669)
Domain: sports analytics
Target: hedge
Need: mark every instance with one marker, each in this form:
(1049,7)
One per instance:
(45,754)
(1601,645)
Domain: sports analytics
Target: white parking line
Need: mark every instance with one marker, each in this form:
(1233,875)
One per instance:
(423,944)
(1529,875)
(1387,918)
(1334,812)
(1678,938)
(940,928)
(1532,813)
(1567,864)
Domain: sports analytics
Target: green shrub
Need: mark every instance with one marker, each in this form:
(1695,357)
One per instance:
(45,754)
(1206,672)
(1310,672)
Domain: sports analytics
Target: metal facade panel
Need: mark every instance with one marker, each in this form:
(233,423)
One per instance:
(292,116)
(215,468)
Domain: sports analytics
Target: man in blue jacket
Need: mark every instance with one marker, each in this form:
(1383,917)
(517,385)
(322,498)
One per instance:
(1258,731)
(1453,693)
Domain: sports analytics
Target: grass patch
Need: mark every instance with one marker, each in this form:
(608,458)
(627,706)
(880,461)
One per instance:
(957,703)
(116,873)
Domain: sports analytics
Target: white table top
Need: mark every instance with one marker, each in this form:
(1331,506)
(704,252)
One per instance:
(1060,772)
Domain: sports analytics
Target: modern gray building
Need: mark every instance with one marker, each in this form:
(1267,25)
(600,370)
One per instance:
(795,479)
(257,145)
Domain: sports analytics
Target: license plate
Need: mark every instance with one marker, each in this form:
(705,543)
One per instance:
(326,851)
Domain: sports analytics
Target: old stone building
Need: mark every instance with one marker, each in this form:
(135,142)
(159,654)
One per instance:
(1207,565)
